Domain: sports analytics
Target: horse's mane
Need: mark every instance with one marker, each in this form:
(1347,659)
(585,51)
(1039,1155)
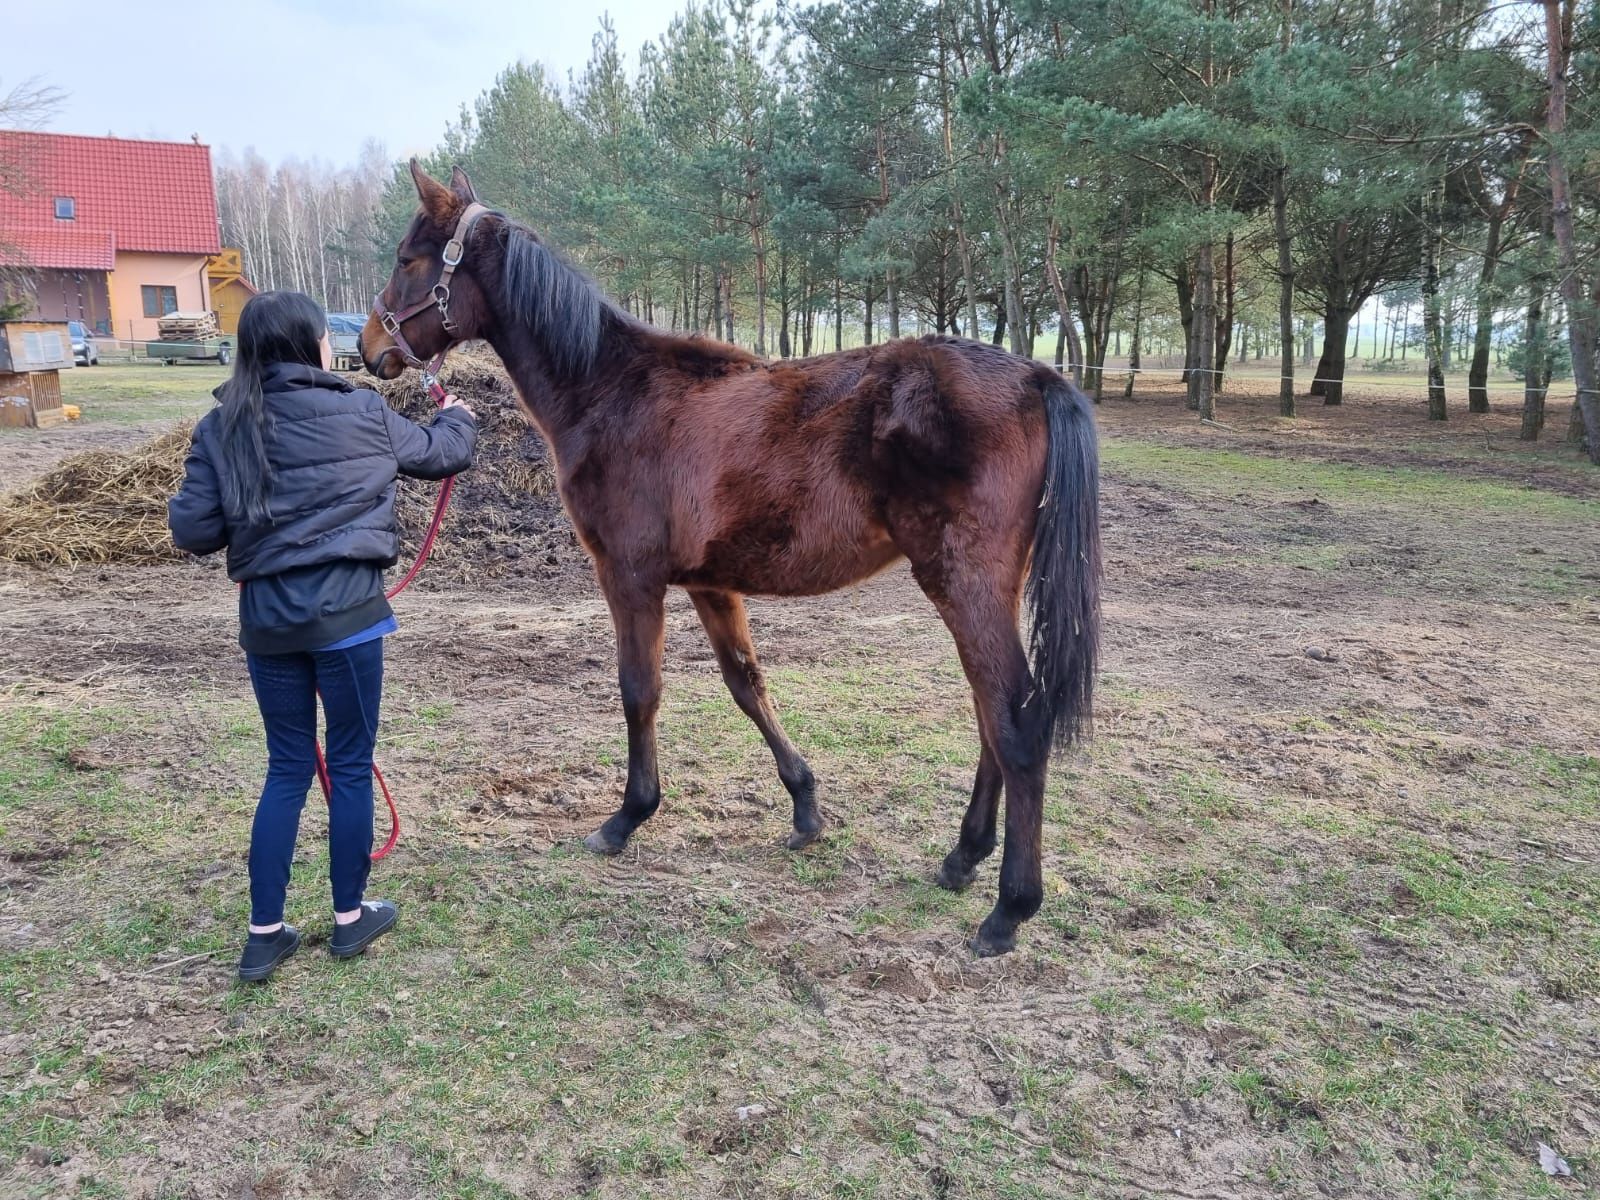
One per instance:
(561,306)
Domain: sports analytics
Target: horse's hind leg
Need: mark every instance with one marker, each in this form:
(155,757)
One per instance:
(639,615)
(977,840)
(980,611)
(723,615)
(991,651)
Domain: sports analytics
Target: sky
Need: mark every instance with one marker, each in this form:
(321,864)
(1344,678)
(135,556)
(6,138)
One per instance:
(297,78)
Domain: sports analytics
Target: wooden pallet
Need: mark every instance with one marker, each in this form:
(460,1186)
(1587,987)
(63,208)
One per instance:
(188,327)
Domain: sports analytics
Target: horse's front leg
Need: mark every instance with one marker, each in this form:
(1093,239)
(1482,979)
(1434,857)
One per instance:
(639,614)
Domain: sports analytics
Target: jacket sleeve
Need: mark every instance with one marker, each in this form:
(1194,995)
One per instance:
(432,451)
(195,514)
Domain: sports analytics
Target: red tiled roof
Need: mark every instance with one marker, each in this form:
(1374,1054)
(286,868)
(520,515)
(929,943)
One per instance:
(144,196)
(64,249)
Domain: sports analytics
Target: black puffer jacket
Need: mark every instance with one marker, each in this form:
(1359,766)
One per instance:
(314,574)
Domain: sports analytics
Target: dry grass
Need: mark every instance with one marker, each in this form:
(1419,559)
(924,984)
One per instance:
(110,506)
(101,506)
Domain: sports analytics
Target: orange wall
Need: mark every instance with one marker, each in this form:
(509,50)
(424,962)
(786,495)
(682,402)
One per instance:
(186,272)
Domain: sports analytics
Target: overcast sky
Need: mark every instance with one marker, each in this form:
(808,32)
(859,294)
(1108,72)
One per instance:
(297,77)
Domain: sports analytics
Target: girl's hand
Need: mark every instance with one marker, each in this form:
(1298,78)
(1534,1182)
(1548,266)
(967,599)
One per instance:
(452,402)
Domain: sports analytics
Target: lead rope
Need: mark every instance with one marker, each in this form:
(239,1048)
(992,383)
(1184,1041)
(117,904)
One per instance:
(430,380)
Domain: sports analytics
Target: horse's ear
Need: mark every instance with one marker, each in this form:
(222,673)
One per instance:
(461,185)
(437,200)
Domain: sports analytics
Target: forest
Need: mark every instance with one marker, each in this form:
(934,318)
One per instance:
(1183,183)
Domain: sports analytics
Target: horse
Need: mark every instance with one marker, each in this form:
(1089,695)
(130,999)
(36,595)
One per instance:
(685,462)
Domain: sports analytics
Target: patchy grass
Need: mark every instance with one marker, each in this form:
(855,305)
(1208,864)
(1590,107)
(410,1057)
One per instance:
(532,1023)
(1426,493)
(142,394)
(1309,928)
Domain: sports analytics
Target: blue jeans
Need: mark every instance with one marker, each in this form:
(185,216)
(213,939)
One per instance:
(286,686)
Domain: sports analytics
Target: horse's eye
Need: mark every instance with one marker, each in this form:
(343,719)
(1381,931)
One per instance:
(404,262)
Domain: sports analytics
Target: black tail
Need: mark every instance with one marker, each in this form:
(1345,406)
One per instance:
(1064,583)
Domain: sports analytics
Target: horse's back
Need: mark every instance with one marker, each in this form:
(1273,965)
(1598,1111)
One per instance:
(791,473)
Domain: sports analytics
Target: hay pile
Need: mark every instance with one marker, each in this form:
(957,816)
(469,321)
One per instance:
(101,506)
(505,520)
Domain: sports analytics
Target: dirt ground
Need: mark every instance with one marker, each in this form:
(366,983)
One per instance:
(1323,910)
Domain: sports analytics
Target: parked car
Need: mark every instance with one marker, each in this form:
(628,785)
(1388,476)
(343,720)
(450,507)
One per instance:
(84,352)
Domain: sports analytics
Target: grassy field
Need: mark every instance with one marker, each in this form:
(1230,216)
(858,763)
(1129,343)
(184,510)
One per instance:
(1322,915)
(125,394)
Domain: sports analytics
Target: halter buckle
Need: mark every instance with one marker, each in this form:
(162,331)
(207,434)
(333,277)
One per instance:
(453,251)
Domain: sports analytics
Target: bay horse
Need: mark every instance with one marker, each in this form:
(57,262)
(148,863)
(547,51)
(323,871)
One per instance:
(689,463)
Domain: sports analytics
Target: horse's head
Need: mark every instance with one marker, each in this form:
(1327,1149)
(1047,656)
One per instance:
(433,299)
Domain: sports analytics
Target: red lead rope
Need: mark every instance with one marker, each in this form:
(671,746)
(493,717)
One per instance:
(431,379)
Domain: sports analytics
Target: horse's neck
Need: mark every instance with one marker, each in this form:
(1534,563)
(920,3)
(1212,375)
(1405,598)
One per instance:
(558,406)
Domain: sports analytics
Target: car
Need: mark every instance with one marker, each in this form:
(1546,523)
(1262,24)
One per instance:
(84,352)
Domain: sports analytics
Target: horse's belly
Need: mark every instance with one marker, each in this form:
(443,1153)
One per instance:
(813,575)
(766,563)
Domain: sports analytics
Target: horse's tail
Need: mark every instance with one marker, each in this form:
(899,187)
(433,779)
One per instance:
(1063,588)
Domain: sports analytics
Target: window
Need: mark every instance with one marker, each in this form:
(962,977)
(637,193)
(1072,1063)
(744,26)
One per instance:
(159,301)
(66,208)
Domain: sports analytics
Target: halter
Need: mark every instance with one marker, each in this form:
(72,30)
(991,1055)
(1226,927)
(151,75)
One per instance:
(438,297)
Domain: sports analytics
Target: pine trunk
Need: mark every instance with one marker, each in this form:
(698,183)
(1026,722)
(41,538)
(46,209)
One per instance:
(1535,360)
(1432,323)
(1280,224)
(1580,313)
(1185,285)
(1069,335)
(1133,348)
(1225,320)
(1202,382)
(1329,380)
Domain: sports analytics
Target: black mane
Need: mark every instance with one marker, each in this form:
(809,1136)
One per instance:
(562,307)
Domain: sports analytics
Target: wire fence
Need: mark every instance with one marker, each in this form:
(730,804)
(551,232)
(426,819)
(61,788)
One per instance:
(1348,381)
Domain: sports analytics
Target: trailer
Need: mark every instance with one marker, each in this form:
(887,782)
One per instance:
(344,334)
(217,350)
(190,337)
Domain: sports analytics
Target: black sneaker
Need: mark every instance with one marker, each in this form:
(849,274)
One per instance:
(376,919)
(261,958)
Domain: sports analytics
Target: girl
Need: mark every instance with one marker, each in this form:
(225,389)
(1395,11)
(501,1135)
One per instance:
(294,473)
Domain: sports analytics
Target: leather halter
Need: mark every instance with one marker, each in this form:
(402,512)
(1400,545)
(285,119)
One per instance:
(438,296)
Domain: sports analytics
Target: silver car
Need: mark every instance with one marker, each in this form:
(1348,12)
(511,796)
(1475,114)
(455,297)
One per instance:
(84,352)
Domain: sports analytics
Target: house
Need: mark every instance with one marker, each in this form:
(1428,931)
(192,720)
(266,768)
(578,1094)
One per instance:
(229,288)
(113,232)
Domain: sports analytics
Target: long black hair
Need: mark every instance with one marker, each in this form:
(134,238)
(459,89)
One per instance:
(274,327)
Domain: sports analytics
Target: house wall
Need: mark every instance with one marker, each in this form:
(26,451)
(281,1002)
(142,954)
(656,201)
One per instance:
(185,272)
(70,296)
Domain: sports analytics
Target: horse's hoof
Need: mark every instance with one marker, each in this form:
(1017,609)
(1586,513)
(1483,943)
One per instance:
(989,943)
(953,878)
(601,844)
(799,839)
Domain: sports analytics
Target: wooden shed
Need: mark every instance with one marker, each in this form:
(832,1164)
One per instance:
(32,355)
(229,288)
